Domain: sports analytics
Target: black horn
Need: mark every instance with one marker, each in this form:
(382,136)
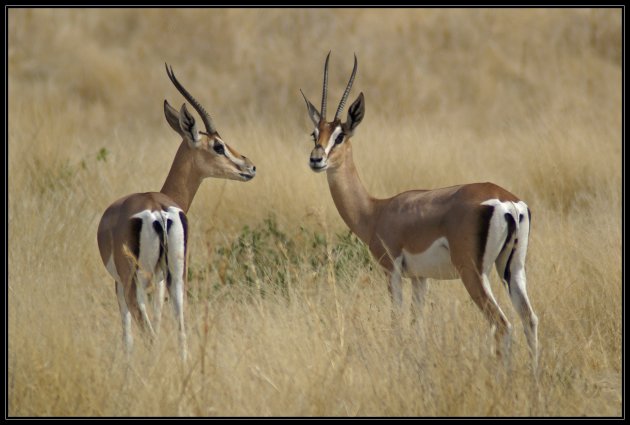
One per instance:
(325,89)
(347,92)
(205,116)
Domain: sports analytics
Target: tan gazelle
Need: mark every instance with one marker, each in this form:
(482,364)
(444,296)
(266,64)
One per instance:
(449,233)
(142,237)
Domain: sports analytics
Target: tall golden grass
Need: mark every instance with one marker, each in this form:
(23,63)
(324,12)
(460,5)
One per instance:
(527,98)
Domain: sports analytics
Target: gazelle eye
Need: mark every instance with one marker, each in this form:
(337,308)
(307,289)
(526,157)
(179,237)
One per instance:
(218,148)
(339,139)
(313,136)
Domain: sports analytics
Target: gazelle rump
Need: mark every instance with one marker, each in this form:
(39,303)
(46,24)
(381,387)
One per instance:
(142,237)
(448,233)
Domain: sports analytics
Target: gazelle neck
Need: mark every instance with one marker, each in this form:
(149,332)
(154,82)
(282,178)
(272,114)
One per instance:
(354,203)
(183,179)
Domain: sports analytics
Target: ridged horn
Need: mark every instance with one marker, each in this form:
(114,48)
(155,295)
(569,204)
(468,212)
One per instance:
(347,92)
(325,89)
(205,116)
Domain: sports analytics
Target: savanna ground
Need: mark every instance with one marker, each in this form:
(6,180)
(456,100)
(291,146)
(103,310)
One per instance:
(287,314)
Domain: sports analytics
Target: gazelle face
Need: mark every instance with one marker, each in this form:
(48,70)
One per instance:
(332,138)
(329,140)
(215,158)
(212,157)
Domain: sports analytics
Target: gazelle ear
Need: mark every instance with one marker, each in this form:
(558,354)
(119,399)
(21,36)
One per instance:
(313,113)
(172,117)
(355,115)
(188,125)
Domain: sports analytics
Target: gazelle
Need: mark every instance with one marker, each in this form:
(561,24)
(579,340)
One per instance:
(449,233)
(143,237)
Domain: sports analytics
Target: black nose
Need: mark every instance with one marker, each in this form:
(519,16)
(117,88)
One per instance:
(316,160)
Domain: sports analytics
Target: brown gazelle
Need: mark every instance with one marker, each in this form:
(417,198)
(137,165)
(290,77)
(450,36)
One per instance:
(143,237)
(449,233)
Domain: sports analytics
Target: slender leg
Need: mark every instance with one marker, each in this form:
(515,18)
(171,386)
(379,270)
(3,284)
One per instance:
(141,296)
(158,302)
(419,287)
(395,292)
(520,301)
(176,291)
(125,315)
(510,265)
(478,287)
(176,276)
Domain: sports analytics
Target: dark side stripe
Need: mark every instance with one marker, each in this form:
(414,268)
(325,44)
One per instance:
(511,228)
(507,274)
(484,226)
(157,226)
(134,240)
(184,221)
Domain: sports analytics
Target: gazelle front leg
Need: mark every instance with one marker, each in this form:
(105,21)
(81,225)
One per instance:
(419,287)
(395,293)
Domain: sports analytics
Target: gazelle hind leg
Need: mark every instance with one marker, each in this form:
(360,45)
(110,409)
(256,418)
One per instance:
(520,301)
(176,274)
(141,296)
(511,268)
(158,303)
(125,316)
(478,287)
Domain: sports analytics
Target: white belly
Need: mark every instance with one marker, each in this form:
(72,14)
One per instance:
(434,262)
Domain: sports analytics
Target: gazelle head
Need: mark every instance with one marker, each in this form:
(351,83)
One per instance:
(332,137)
(211,155)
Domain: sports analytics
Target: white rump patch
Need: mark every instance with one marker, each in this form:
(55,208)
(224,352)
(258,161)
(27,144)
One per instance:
(498,229)
(150,240)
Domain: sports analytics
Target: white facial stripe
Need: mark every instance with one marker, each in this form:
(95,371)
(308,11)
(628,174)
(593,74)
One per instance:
(230,155)
(233,158)
(331,141)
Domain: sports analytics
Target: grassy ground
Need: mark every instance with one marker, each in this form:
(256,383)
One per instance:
(287,313)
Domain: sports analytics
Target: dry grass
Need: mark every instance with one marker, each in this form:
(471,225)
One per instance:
(529,99)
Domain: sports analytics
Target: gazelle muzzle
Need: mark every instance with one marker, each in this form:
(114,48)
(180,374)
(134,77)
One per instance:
(248,170)
(318,160)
